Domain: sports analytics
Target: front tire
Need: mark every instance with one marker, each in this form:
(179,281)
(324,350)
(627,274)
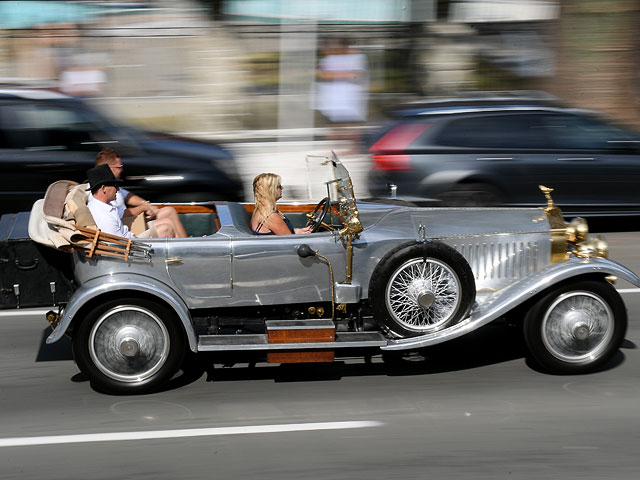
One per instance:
(129,346)
(420,288)
(577,328)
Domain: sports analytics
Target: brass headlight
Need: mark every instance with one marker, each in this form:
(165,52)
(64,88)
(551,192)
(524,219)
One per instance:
(594,247)
(601,247)
(577,230)
(571,238)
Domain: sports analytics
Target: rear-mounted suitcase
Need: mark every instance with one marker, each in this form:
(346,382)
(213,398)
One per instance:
(31,275)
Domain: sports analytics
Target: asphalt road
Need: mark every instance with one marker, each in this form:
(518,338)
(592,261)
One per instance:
(475,409)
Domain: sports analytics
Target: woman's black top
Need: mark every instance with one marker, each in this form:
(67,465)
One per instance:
(286,221)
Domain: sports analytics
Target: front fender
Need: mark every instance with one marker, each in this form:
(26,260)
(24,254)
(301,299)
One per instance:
(125,281)
(505,300)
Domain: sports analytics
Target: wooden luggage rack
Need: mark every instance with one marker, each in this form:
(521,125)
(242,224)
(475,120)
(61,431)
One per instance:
(101,243)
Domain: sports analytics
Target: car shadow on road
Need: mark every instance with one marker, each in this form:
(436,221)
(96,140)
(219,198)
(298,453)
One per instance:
(490,345)
(487,346)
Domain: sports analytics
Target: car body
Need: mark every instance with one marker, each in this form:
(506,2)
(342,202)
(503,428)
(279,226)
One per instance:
(390,278)
(47,136)
(495,151)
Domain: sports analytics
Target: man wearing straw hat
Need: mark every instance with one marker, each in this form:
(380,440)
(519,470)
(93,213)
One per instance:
(104,187)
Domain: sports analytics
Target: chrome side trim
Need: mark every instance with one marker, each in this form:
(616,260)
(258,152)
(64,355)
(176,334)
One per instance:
(443,110)
(306,324)
(109,283)
(504,300)
(26,312)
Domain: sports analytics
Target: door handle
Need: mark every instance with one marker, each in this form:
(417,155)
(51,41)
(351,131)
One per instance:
(495,159)
(173,260)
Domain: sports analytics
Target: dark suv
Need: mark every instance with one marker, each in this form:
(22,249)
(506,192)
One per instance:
(46,136)
(496,151)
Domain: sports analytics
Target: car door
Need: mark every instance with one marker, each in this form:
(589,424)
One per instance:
(604,159)
(592,166)
(528,136)
(200,269)
(268,271)
(508,151)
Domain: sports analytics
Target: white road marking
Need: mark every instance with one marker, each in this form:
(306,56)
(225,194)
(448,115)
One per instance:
(183,433)
(580,447)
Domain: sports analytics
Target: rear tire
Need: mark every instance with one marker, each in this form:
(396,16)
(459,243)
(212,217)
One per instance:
(129,346)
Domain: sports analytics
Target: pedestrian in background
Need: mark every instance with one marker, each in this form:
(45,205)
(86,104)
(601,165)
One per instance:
(342,89)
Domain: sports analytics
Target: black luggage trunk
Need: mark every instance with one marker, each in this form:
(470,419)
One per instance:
(31,275)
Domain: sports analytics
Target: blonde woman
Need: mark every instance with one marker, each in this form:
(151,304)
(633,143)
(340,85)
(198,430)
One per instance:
(266,218)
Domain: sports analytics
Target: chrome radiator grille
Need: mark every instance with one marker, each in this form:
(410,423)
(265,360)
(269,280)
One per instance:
(499,261)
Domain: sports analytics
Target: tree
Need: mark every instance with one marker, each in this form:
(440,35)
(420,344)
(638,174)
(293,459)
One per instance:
(597,56)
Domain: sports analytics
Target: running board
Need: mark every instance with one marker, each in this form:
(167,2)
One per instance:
(230,343)
(293,332)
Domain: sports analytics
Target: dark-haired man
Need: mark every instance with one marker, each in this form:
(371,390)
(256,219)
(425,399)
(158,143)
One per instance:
(130,205)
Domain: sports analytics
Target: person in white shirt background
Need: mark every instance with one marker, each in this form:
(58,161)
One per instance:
(342,89)
(129,205)
(104,188)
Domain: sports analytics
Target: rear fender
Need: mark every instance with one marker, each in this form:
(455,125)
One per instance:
(97,287)
(505,300)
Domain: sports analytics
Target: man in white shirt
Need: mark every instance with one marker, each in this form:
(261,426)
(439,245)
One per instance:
(129,205)
(104,188)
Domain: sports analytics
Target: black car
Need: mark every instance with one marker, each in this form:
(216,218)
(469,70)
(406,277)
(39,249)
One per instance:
(46,136)
(497,150)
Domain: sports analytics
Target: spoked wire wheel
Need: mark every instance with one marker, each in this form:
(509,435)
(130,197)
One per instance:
(423,294)
(421,287)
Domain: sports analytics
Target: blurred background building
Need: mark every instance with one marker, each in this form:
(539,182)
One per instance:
(247,68)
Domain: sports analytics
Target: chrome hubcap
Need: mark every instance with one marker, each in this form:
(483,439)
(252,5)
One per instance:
(129,343)
(426,299)
(577,327)
(581,331)
(129,347)
(423,295)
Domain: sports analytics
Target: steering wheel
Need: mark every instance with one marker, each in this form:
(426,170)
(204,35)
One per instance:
(315,218)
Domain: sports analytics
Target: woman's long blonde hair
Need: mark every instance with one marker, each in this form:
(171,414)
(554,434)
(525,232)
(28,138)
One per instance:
(265,192)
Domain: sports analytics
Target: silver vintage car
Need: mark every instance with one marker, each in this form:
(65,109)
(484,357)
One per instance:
(387,277)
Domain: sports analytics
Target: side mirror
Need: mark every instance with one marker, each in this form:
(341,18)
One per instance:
(305,251)
(393,190)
